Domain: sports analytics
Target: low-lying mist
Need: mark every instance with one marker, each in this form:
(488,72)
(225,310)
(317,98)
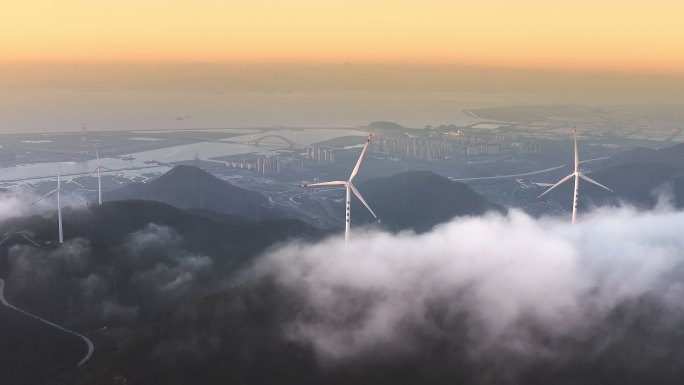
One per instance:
(20,203)
(479,300)
(501,286)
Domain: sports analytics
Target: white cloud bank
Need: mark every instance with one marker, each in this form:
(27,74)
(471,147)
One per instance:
(506,278)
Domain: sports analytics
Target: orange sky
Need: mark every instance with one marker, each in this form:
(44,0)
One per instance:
(614,35)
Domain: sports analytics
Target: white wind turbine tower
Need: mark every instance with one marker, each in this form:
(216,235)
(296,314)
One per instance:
(58,190)
(349,186)
(577,174)
(99,177)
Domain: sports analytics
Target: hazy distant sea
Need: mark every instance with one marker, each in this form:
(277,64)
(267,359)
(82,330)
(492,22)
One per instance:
(30,110)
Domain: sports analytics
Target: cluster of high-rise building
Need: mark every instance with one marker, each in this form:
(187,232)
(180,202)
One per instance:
(450,145)
(436,147)
(532,147)
(267,165)
(483,149)
(321,154)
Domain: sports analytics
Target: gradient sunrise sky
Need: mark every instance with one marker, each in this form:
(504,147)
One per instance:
(138,64)
(615,35)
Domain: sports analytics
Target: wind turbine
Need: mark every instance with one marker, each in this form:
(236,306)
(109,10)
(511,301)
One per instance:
(349,186)
(58,190)
(99,177)
(577,174)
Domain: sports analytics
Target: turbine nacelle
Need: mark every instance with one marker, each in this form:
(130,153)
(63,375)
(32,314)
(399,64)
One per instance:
(350,189)
(577,174)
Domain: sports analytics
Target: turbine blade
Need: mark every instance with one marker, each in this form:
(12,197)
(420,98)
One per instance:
(594,182)
(76,196)
(333,183)
(358,195)
(557,184)
(43,197)
(358,163)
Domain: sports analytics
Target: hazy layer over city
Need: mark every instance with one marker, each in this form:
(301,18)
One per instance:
(48,97)
(139,65)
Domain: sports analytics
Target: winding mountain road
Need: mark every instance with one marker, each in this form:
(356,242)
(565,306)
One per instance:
(91,347)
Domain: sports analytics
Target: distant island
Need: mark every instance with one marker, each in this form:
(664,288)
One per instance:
(384,125)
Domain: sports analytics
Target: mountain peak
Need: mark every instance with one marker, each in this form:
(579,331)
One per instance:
(189,187)
(184,171)
(419,200)
(671,156)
